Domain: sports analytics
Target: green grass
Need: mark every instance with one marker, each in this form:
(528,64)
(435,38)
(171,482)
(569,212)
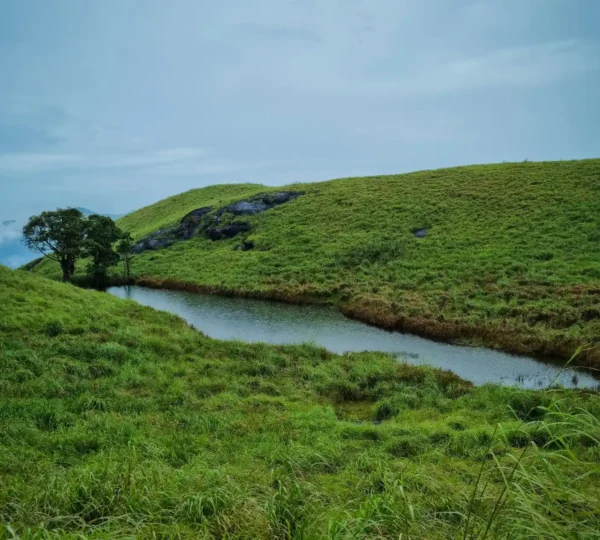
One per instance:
(118,421)
(168,211)
(512,258)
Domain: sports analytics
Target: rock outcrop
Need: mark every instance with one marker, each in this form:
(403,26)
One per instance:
(219,233)
(190,223)
(257,204)
(199,220)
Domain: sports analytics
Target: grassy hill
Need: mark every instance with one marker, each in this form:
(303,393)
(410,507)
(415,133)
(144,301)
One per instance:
(117,421)
(511,257)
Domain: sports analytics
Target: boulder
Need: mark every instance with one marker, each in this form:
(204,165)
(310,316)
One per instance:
(420,233)
(284,196)
(257,204)
(196,215)
(194,221)
(220,233)
(191,222)
(247,208)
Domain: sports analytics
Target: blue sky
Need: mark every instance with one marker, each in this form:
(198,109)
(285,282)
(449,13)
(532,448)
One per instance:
(115,104)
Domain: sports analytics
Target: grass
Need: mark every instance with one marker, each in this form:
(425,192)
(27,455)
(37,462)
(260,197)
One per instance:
(511,259)
(118,421)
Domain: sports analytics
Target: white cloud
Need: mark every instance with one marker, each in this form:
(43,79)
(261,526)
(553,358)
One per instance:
(9,233)
(526,66)
(31,162)
(34,162)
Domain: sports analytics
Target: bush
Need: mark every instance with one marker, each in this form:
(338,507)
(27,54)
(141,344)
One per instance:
(408,446)
(528,405)
(54,328)
(386,409)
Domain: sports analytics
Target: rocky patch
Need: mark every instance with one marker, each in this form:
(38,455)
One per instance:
(420,233)
(190,223)
(246,245)
(256,204)
(184,230)
(199,221)
(220,233)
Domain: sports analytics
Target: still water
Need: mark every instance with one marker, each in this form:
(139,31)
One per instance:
(257,320)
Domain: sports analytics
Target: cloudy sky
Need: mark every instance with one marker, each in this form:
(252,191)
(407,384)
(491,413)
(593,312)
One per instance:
(115,104)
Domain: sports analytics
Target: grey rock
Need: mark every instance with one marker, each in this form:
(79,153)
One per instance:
(420,233)
(195,221)
(196,215)
(284,196)
(190,223)
(247,208)
(257,204)
(220,233)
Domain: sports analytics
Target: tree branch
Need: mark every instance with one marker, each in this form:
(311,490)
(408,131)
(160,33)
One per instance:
(40,250)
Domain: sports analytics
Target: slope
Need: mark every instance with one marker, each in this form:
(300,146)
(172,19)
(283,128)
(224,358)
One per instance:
(511,256)
(117,421)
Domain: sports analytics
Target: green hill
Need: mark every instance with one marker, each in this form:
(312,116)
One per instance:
(511,256)
(118,421)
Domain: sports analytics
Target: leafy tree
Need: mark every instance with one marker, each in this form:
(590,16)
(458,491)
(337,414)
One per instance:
(125,250)
(101,234)
(59,236)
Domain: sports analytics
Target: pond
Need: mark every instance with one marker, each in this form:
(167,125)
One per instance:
(272,322)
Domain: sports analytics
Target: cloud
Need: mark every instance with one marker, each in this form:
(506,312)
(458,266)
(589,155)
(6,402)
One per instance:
(9,232)
(33,162)
(28,126)
(278,33)
(533,65)
(525,66)
(185,160)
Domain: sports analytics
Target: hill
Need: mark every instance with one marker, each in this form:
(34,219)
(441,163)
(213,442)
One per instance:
(506,255)
(120,421)
(88,212)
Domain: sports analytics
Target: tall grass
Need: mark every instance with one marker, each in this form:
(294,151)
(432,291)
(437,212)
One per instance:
(118,421)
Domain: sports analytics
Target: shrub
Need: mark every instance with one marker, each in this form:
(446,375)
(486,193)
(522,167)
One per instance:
(54,328)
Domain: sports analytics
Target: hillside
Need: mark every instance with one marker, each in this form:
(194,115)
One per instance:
(510,256)
(119,421)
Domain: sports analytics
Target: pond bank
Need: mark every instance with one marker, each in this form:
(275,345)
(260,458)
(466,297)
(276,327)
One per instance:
(494,336)
(278,323)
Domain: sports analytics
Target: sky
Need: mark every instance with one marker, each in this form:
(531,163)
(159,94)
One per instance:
(115,104)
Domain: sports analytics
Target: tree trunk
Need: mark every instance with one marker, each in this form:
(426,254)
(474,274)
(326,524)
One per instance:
(68,269)
(66,272)
(127,267)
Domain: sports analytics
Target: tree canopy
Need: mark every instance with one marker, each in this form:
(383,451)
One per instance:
(57,235)
(65,235)
(101,234)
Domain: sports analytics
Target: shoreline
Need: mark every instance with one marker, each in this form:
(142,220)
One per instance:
(494,337)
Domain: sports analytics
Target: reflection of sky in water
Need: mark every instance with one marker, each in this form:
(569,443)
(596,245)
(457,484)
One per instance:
(255,320)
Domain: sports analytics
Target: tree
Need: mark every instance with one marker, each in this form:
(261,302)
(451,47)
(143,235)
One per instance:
(58,235)
(101,234)
(125,250)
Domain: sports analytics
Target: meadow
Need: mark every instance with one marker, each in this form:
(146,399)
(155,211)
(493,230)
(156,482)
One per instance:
(118,421)
(511,258)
